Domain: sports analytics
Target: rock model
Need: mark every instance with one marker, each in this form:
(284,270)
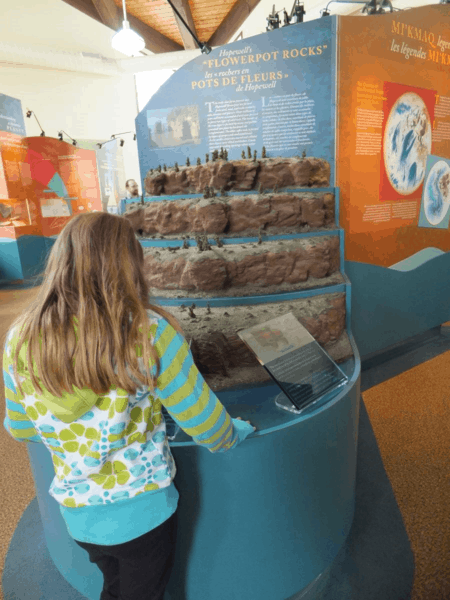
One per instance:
(218,267)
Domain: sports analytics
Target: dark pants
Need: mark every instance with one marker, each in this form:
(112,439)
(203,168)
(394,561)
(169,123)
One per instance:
(139,569)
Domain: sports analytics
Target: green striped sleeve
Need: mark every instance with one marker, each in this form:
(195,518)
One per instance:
(186,395)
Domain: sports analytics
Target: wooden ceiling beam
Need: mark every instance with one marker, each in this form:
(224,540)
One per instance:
(107,13)
(84,6)
(184,9)
(234,19)
(154,40)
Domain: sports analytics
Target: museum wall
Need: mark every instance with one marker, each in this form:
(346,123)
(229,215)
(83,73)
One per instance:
(87,107)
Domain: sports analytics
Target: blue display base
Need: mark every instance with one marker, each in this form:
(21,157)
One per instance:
(389,306)
(376,561)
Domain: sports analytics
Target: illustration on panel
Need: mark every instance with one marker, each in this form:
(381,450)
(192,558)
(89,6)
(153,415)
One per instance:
(407,140)
(436,194)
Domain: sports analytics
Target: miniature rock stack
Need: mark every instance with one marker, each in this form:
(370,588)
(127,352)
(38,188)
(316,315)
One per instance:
(213,265)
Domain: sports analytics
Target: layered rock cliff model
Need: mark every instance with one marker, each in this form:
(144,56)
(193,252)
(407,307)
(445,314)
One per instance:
(228,251)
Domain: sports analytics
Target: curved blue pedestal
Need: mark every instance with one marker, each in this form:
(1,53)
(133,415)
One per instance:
(263,522)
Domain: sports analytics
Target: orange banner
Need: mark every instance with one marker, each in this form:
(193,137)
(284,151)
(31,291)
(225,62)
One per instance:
(44,182)
(394,112)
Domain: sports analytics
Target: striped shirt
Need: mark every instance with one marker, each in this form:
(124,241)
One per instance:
(113,466)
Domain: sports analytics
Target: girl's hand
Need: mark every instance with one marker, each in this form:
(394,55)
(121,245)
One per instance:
(240,419)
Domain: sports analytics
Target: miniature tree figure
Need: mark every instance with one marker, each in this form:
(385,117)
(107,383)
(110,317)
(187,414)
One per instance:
(188,162)
(185,243)
(225,154)
(151,171)
(199,242)
(191,311)
(206,192)
(206,244)
(208,309)
(212,193)
(255,154)
(206,158)
(260,235)
(164,168)
(218,241)
(249,152)
(215,155)
(221,154)
(159,169)
(243,154)
(176,168)
(199,162)
(263,154)
(303,154)
(222,191)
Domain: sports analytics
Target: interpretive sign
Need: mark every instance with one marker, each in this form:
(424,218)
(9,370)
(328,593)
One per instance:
(111,174)
(292,357)
(274,90)
(11,115)
(394,115)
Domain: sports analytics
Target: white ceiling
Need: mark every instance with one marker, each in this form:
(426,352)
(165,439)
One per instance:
(54,25)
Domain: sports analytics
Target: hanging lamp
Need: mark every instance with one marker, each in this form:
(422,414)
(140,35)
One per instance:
(126,40)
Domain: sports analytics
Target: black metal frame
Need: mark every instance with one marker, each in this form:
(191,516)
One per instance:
(203,46)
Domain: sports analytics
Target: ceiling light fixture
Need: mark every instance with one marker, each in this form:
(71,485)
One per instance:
(29,113)
(298,10)
(113,138)
(371,7)
(60,135)
(126,40)
(203,47)
(375,7)
(273,20)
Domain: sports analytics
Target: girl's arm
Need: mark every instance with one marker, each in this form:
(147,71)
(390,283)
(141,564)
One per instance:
(189,400)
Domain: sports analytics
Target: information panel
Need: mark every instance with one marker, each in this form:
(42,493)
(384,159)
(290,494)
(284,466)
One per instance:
(394,126)
(11,115)
(293,358)
(274,90)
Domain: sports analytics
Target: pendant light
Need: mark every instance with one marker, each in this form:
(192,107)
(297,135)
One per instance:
(126,40)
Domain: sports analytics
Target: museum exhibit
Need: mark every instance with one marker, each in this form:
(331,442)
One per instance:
(292,205)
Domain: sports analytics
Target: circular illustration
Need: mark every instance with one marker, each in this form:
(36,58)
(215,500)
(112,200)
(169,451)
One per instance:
(436,198)
(407,142)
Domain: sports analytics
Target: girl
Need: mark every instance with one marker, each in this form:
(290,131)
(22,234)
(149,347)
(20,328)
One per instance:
(87,369)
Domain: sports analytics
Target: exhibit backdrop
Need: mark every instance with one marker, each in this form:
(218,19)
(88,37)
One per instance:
(394,134)
(275,90)
(111,174)
(44,182)
(11,115)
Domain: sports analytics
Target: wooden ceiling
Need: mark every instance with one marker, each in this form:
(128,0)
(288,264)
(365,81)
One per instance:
(212,21)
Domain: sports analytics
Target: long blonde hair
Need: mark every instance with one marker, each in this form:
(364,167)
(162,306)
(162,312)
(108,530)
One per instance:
(94,278)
